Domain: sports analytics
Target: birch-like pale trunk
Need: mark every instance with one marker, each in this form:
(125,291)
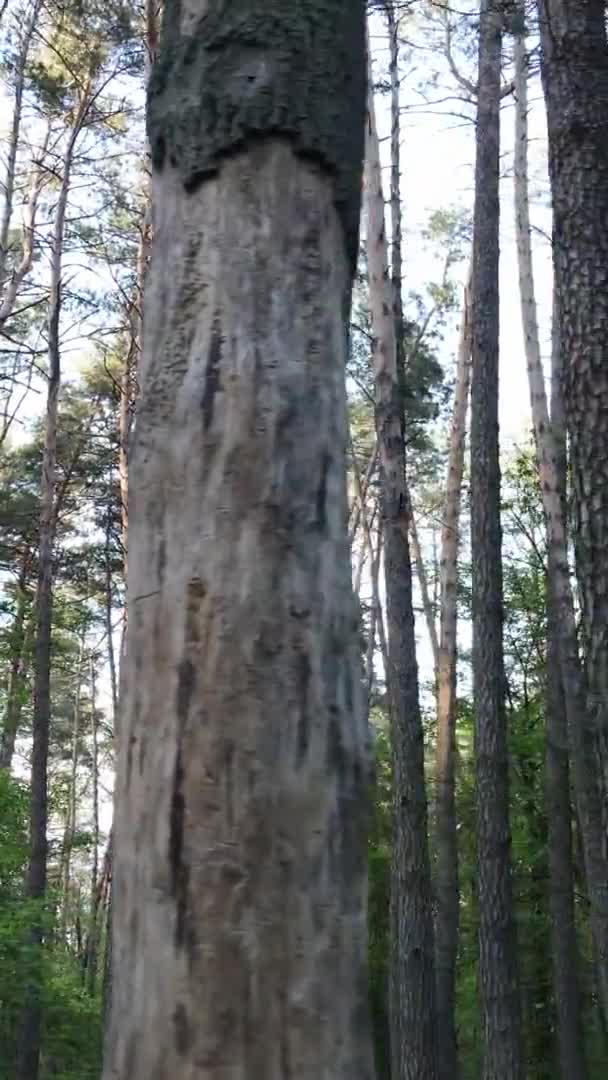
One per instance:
(446,837)
(238,906)
(412,983)
(586,777)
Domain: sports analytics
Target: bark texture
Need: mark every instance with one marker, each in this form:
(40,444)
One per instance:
(500,1006)
(412,989)
(575,78)
(549,449)
(564,947)
(446,839)
(238,902)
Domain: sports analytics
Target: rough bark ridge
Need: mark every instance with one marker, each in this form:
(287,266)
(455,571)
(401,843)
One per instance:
(231,72)
(412,991)
(575,78)
(241,798)
(564,948)
(566,688)
(446,874)
(501,1025)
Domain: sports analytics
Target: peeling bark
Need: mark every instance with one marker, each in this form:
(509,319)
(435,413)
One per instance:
(241,792)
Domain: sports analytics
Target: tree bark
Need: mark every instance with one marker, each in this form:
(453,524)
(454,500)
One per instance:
(446,838)
(581,728)
(500,1005)
(240,855)
(551,450)
(412,984)
(565,953)
(575,79)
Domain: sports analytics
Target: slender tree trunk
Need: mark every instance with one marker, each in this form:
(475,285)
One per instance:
(396,215)
(412,990)
(70,824)
(240,828)
(500,1004)
(18,667)
(446,837)
(552,465)
(13,146)
(22,269)
(29,1042)
(93,932)
(581,732)
(575,79)
(425,593)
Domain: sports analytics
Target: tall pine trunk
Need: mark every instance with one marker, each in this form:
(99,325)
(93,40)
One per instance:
(581,731)
(562,646)
(412,981)
(564,948)
(446,836)
(240,846)
(500,1004)
(575,79)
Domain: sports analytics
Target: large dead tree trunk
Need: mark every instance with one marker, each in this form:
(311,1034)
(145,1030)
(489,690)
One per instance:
(412,989)
(240,835)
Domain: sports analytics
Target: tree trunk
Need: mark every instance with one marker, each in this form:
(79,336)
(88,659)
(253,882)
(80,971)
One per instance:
(425,593)
(446,838)
(392,16)
(241,805)
(565,954)
(575,79)
(581,731)
(93,932)
(18,667)
(13,146)
(412,990)
(20,272)
(29,1042)
(551,450)
(70,825)
(500,1005)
